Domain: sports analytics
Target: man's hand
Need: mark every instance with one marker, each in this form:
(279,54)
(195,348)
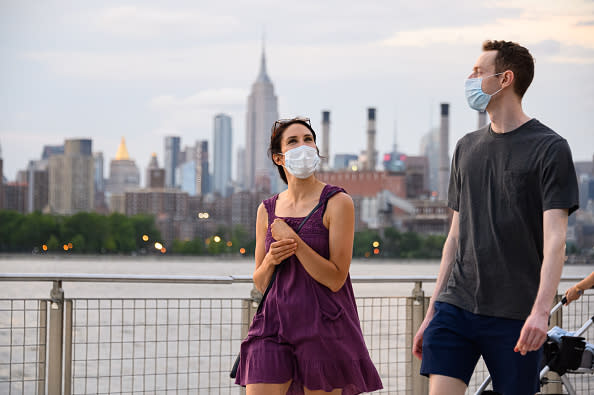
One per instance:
(417,349)
(534,333)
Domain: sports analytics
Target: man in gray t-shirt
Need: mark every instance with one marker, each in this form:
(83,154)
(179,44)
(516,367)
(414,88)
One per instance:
(512,187)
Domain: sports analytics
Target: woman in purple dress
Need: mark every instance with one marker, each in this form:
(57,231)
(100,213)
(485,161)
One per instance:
(307,338)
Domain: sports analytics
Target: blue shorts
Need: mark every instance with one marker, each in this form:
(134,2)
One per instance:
(456,338)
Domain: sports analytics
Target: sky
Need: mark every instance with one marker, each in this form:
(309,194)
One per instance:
(144,70)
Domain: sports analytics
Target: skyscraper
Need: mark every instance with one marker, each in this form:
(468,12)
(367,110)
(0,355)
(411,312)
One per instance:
(172,146)
(430,149)
(202,166)
(155,176)
(192,174)
(99,180)
(240,163)
(223,139)
(37,185)
(123,173)
(262,112)
(71,178)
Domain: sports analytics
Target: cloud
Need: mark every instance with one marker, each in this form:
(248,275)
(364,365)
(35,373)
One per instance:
(585,23)
(549,33)
(523,30)
(197,110)
(546,47)
(143,22)
(226,98)
(203,62)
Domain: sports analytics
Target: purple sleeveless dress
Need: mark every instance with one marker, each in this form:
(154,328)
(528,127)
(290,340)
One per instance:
(305,332)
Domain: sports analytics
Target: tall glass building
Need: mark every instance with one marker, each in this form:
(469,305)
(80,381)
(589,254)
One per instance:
(172,147)
(222,161)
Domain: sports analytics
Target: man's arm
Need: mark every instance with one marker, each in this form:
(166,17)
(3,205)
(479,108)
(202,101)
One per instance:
(534,332)
(445,268)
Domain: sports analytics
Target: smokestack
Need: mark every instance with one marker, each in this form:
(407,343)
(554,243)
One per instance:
(370,139)
(444,160)
(325,139)
(482,119)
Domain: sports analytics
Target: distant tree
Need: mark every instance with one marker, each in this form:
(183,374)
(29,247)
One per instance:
(122,233)
(391,244)
(53,244)
(363,242)
(189,247)
(78,244)
(433,245)
(144,225)
(10,222)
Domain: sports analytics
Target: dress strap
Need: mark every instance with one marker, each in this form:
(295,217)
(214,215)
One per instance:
(327,193)
(270,205)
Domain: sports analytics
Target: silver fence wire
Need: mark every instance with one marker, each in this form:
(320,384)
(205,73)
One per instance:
(187,346)
(23,335)
(181,346)
(386,327)
(574,316)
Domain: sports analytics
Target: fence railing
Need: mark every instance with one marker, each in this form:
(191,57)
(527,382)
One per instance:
(106,345)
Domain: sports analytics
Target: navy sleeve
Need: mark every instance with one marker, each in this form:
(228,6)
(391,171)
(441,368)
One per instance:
(559,180)
(454,185)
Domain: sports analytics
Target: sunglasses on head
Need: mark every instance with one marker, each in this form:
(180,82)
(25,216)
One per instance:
(281,122)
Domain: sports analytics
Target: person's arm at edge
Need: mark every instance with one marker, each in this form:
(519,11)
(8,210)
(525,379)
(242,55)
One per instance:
(534,331)
(340,221)
(445,268)
(575,291)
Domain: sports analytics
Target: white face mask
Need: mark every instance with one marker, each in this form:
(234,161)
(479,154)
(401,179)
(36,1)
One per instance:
(475,96)
(302,161)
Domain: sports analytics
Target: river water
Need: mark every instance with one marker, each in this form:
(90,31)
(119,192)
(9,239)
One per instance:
(198,266)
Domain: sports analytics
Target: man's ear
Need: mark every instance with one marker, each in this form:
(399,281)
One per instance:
(508,78)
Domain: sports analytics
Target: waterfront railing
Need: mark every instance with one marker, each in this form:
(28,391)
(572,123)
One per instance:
(106,345)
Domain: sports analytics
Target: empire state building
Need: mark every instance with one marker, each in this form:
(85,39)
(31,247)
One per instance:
(262,112)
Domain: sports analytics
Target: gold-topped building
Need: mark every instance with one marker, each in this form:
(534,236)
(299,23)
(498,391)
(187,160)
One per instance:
(123,172)
(122,153)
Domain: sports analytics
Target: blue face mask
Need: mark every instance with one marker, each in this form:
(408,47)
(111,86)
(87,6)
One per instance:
(476,98)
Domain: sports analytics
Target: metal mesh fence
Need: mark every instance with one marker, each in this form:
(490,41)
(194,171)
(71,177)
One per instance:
(155,345)
(385,329)
(574,316)
(22,346)
(187,346)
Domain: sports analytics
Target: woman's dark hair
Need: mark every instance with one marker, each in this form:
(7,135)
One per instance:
(276,136)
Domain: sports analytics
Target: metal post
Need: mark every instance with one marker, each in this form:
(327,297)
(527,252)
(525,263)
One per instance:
(416,307)
(54,379)
(41,348)
(68,348)
(249,308)
(554,384)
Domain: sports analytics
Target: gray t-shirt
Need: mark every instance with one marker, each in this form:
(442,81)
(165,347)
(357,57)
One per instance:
(501,184)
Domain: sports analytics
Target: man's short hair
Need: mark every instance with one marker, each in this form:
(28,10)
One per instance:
(514,57)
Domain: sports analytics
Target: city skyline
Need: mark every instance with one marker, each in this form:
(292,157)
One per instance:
(148,70)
